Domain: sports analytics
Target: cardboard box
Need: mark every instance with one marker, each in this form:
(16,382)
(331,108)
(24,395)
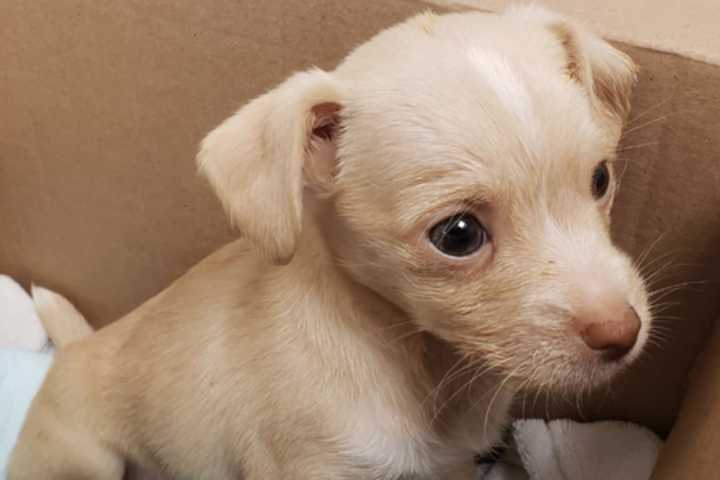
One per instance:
(102,105)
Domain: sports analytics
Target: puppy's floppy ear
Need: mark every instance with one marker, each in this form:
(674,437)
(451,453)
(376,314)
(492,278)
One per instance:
(260,159)
(606,73)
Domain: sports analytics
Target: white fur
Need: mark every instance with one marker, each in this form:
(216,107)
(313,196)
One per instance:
(510,89)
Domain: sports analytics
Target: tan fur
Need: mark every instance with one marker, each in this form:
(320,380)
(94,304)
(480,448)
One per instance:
(359,351)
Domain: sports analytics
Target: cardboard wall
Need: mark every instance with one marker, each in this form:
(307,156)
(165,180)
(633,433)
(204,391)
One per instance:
(688,28)
(102,105)
(690,451)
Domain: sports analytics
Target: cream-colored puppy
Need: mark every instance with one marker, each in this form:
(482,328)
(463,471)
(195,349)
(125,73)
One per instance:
(425,231)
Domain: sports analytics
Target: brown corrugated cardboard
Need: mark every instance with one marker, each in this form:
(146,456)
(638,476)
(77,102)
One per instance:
(102,105)
(691,451)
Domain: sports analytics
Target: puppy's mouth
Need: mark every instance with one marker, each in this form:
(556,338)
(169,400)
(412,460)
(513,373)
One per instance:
(581,363)
(569,360)
(566,374)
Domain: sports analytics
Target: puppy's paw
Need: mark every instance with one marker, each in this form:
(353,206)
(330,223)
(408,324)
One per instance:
(63,322)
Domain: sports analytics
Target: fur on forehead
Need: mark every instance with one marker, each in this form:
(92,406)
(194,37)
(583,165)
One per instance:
(478,104)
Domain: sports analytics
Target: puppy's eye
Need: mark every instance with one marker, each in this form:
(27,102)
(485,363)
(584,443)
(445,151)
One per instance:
(459,235)
(600,180)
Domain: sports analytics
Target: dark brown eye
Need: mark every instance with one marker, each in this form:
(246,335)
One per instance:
(458,236)
(600,180)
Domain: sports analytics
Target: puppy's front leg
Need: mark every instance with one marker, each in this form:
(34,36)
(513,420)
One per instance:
(50,450)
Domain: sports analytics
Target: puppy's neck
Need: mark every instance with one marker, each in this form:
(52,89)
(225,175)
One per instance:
(353,306)
(368,310)
(366,323)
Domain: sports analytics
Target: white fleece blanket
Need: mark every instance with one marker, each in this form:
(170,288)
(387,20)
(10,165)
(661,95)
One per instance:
(25,357)
(567,450)
(537,450)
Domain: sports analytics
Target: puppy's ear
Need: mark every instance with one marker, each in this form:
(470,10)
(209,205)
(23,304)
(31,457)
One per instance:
(260,159)
(607,74)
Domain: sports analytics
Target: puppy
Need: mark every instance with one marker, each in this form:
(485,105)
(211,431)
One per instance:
(425,231)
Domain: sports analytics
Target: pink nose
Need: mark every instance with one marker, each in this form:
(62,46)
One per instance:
(613,334)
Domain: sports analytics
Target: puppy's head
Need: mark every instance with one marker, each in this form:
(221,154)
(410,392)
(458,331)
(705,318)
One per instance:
(468,163)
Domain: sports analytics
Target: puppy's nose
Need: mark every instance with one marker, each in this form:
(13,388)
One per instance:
(613,334)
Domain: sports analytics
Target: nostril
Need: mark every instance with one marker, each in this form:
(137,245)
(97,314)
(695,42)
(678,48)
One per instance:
(614,338)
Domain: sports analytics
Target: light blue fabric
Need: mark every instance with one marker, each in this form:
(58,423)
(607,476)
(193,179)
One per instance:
(21,375)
